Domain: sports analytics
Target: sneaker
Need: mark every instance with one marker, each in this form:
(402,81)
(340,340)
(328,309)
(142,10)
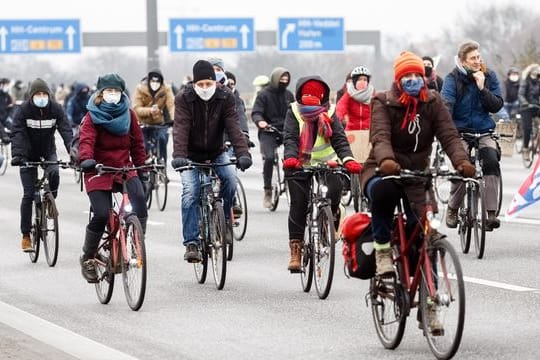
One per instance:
(192,254)
(435,326)
(237,211)
(492,222)
(383,259)
(451,218)
(88,269)
(26,244)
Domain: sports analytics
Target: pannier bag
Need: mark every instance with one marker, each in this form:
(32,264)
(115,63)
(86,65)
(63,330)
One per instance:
(358,251)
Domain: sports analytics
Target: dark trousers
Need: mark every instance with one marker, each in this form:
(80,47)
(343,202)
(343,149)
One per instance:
(162,138)
(526,118)
(268,143)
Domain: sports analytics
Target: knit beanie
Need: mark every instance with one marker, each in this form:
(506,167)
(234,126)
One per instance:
(39,85)
(113,81)
(314,88)
(155,74)
(203,70)
(215,61)
(408,63)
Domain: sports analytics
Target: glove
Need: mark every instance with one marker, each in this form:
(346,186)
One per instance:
(353,167)
(466,169)
(244,162)
(6,139)
(389,167)
(179,162)
(88,165)
(291,163)
(17,161)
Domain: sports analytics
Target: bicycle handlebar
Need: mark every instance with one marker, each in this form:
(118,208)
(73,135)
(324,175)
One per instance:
(428,175)
(192,165)
(102,169)
(46,163)
(322,167)
(475,135)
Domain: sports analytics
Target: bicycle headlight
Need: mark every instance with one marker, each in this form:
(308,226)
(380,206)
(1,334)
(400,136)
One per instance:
(128,208)
(434,223)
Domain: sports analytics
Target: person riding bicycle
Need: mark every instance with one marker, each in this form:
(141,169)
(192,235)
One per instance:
(529,102)
(434,81)
(110,135)
(312,134)
(511,90)
(76,106)
(153,102)
(471,92)
(33,139)
(353,108)
(204,110)
(270,108)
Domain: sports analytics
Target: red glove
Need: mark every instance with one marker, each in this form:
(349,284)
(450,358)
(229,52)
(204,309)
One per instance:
(353,167)
(291,163)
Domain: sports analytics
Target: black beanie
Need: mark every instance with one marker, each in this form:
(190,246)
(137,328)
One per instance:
(113,81)
(39,85)
(230,76)
(203,70)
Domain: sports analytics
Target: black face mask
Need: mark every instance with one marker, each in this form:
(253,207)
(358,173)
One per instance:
(282,86)
(428,70)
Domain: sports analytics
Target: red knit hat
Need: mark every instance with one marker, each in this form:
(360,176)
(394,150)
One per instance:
(314,88)
(407,63)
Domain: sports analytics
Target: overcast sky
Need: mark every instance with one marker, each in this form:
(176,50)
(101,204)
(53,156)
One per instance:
(413,17)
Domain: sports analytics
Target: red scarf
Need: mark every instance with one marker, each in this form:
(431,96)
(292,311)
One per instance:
(312,116)
(411,103)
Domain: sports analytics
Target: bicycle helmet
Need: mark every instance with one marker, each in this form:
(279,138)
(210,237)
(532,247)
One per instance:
(361,70)
(261,80)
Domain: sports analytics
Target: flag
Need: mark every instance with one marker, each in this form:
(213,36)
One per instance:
(528,193)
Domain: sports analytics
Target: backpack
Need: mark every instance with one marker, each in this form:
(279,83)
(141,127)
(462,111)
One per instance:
(358,251)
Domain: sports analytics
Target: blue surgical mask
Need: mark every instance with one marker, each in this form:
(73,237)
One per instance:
(40,101)
(221,77)
(412,86)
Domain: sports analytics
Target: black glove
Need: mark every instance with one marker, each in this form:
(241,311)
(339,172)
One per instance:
(243,162)
(250,143)
(6,139)
(88,165)
(179,162)
(17,161)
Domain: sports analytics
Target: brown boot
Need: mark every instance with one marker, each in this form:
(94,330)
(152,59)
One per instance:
(295,263)
(26,243)
(267,201)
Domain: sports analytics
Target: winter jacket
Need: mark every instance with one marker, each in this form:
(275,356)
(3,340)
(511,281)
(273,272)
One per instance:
(143,101)
(511,91)
(110,150)
(359,114)
(529,91)
(199,125)
(76,104)
(33,131)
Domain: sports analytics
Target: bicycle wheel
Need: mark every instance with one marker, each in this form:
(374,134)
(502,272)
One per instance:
(104,269)
(465,221)
(218,247)
(479,225)
(49,232)
(388,310)
(445,309)
(276,185)
(230,245)
(324,253)
(500,195)
(201,267)
(161,188)
(4,152)
(134,265)
(35,232)
(356,195)
(346,193)
(148,187)
(240,202)
(306,272)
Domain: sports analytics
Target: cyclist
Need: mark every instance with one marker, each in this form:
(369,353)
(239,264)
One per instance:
(343,89)
(529,96)
(434,81)
(353,108)
(76,105)
(312,134)
(471,92)
(6,102)
(511,87)
(270,108)
(204,110)
(109,134)
(153,102)
(33,139)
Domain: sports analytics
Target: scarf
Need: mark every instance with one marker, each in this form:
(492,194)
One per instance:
(362,96)
(312,115)
(411,103)
(115,118)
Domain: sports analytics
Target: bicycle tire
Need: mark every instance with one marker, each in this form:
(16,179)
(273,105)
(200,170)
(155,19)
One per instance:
(324,253)
(499,195)
(480,220)
(134,267)
(346,193)
(306,272)
(218,247)
(35,232)
(161,189)
(388,309)
(229,245)
(50,233)
(201,268)
(240,224)
(355,192)
(105,270)
(276,186)
(4,152)
(447,275)
(148,188)
(466,221)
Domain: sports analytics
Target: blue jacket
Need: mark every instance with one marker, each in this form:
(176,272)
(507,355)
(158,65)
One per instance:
(470,107)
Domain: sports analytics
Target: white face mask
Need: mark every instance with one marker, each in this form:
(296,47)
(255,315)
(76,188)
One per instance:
(207,93)
(112,98)
(40,101)
(155,85)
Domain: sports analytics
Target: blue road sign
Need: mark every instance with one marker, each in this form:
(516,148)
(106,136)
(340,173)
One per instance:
(235,34)
(40,36)
(311,34)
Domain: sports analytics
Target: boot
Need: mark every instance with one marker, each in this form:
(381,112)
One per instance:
(451,218)
(383,260)
(295,263)
(267,201)
(26,243)
(88,267)
(492,222)
(525,154)
(435,326)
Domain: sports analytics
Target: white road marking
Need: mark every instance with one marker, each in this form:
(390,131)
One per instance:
(497,284)
(56,336)
(518,220)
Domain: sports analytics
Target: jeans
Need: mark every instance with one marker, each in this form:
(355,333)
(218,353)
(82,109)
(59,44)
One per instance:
(191,188)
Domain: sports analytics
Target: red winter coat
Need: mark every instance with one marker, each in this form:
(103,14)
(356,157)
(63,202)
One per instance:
(359,114)
(110,150)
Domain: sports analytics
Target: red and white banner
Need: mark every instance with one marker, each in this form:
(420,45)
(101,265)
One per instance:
(528,193)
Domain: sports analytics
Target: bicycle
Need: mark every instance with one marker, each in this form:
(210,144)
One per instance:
(279,185)
(44,214)
(441,185)
(158,179)
(4,153)
(353,193)
(212,223)
(239,216)
(319,248)
(436,277)
(122,248)
(534,146)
